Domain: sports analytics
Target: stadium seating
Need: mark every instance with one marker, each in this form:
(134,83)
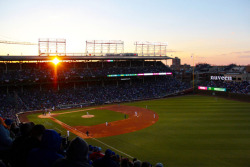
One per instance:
(34,146)
(33,87)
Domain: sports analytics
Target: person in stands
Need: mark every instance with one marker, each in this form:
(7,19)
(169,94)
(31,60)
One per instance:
(105,161)
(76,155)
(5,142)
(47,153)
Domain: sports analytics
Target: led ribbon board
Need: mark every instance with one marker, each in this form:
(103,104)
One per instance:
(212,88)
(140,74)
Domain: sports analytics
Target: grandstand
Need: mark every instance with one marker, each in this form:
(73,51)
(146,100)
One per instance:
(27,81)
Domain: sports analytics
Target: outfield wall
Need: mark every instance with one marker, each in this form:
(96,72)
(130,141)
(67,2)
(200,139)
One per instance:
(233,96)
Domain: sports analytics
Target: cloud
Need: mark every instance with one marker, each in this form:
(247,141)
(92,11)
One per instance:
(240,53)
(243,57)
(245,52)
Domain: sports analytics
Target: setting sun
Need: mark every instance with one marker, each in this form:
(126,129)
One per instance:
(55,61)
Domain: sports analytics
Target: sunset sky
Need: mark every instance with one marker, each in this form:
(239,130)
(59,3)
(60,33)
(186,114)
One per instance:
(213,31)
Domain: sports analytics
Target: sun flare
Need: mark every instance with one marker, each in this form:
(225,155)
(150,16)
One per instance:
(55,61)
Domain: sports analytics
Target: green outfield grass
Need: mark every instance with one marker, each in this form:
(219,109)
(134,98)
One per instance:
(75,119)
(191,131)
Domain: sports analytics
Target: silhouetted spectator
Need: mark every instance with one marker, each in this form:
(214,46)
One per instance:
(145,164)
(76,155)
(96,154)
(159,165)
(105,161)
(5,139)
(91,149)
(137,163)
(47,154)
(125,162)
(5,142)
(33,141)
(18,148)
(116,158)
(9,123)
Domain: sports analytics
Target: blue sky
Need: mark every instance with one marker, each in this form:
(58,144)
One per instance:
(214,31)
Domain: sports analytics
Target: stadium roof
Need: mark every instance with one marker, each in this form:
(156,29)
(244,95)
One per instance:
(46,58)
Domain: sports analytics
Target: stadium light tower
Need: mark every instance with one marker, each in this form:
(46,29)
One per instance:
(52,47)
(100,47)
(151,48)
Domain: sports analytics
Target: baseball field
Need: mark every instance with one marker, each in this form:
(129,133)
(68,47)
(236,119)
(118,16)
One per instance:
(180,131)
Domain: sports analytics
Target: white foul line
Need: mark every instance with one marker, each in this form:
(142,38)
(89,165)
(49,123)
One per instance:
(112,147)
(95,139)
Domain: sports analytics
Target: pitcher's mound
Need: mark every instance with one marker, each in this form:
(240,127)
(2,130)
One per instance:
(45,116)
(88,116)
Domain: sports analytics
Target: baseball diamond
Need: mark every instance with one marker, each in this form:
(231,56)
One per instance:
(133,123)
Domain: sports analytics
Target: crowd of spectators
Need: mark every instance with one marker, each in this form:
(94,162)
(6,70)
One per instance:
(32,98)
(79,71)
(233,87)
(16,98)
(31,145)
(10,105)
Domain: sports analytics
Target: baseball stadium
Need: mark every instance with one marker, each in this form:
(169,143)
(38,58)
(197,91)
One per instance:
(125,83)
(110,108)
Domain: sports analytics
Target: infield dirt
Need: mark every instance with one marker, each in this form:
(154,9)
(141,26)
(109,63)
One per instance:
(138,118)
